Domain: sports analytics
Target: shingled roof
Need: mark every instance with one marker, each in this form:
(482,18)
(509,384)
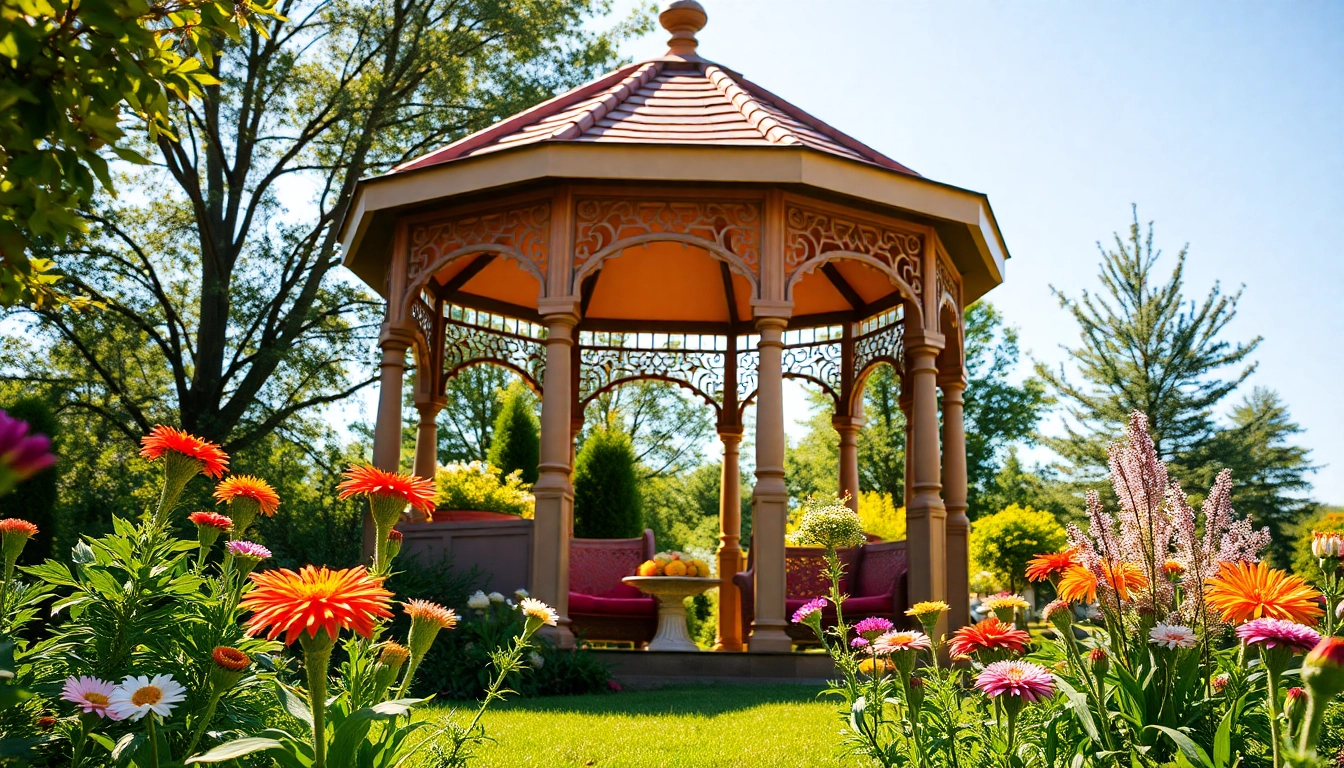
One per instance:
(679,98)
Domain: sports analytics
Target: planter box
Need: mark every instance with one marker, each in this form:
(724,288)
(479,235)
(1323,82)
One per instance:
(498,545)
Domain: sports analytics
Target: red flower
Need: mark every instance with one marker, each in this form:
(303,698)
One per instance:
(1042,567)
(230,659)
(162,439)
(394,535)
(365,480)
(248,487)
(989,635)
(210,520)
(13,526)
(315,598)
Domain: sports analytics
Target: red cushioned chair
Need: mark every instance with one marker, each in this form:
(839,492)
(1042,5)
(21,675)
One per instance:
(874,580)
(601,606)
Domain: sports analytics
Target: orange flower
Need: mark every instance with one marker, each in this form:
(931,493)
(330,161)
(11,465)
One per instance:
(989,635)
(430,613)
(230,659)
(365,480)
(210,520)
(1078,585)
(1124,577)
(1042,567)
(13,526)
(315,598)
(161,439)
(248,487)
(1243,591)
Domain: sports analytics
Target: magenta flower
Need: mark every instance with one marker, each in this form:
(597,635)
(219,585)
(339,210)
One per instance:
(872,626)
(858,642)
(812,608)
(91,694)
(1274,633)
(248,549)
(21,455)
(1029,681)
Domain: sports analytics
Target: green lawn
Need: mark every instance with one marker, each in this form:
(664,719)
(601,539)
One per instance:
(690,725)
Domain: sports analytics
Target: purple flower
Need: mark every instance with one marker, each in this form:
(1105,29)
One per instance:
(812,608)
(872,626)
(1273,633)
(21,455)
(248,549)
(858,642)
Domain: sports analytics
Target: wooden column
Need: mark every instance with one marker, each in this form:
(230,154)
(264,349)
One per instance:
(730,541)
(553,523)
(954,499)
(848,427)
(925,515)
(427,437)
(387,424)
(770,499)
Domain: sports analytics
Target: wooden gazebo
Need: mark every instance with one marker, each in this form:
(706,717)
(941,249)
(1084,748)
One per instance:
(672,220)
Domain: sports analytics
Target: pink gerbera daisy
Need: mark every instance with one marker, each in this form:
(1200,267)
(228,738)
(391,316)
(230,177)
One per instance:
(1029,681)
(809,609)
(872,626)
(1274,633)
(91,694)
(901,640)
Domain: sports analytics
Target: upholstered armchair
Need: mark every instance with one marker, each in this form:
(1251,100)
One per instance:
(874,580)
(601,606)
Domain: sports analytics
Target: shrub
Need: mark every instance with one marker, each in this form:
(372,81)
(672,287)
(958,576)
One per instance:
(880,515)
(482,487)
(1003,542)
(607,503)
(516,443)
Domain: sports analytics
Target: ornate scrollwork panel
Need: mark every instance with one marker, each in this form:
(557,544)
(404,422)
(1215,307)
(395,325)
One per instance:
(733,225)
(693,361)
(882,342)
(465,344)
(423,316)
(816,361)
(812,234)
(748,371)
(522,230)
(948,285)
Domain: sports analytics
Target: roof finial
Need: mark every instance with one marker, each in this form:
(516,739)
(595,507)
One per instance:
(683,18)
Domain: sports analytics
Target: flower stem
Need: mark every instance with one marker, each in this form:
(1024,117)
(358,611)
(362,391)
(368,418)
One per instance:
(316,659)
(1311,728)
(1273,677)
(153,741)
(206,717)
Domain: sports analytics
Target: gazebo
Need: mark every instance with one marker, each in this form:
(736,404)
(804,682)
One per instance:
(672,220)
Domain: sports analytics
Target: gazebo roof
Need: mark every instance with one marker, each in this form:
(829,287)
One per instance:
(676,99)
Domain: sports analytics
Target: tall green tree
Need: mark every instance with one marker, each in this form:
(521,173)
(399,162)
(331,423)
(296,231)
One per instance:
(467,422)
(516,445)
(668,428)
(607,500)
(1144,347)
(1269,471)
(218,271)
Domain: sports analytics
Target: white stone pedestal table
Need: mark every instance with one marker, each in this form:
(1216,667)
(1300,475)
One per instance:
(670,591)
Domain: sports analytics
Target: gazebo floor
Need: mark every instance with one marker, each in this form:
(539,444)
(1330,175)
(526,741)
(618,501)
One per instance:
(653,669)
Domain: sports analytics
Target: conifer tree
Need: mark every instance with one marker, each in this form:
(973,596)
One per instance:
(516,443)
(607,502)
(1144,347)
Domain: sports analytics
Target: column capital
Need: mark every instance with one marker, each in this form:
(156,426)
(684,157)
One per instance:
(396,337)
(729,432)
(922,342)
(845,424)
(952,385)
(559,309)
(429,408)
(770,308)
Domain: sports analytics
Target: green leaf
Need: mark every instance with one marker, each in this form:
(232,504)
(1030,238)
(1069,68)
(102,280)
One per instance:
(293,704)
(235,749)
(1191,751)
(1079,704)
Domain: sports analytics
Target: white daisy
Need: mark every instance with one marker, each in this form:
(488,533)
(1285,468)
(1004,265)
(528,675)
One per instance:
(478,601)
(495,597)
(535,609)
(139,695)
(1173,636)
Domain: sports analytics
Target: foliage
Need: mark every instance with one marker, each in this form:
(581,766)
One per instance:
(1037,487)
(882,439)
(516,444)
(1004,542)
(1326,520)
(607,502)
(1144,348)
(1270,471)
(682,510)
(474,402)
(478,486)
(812,463)
(35,499)
(667,427)
(880,516)
(70,75)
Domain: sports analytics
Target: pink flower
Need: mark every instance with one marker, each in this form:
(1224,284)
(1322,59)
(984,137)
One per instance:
(872,626)
(1272,633)
(91,694)
(21,455)
(858,642)
(1173,636)
(901,640)
(1016,678)
(812,608)
(248,549)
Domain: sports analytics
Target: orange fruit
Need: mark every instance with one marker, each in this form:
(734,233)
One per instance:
(675,568)
(648,568)
(691,570)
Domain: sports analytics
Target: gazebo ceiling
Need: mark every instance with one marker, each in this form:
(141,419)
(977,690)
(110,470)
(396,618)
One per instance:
(675,121)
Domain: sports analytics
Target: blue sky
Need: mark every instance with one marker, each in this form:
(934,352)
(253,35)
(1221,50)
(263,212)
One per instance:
(1224,122)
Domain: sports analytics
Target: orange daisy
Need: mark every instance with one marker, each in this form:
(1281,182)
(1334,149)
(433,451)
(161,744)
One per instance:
(371,481)
(989,635)
(1048,566)
(230,659)
(248,487)
(430,613)
(13,526)
(161,440)
(1078,585)
(1243,591)
(315,598)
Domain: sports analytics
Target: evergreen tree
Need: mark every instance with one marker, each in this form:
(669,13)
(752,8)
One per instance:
(516,442)
(1144,347)
(467,423)
(607,503)
(35,499)
(1269,473)
(882,439)
(1035,487)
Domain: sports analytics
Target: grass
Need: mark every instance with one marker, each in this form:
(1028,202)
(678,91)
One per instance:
(699,726)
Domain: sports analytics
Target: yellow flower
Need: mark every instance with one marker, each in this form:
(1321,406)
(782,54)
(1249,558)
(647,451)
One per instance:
(926,607)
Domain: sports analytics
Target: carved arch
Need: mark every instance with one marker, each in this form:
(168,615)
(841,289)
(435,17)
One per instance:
(861,379)
(526,377)
(421,280)
(906,291)
(735,263)
(614,383)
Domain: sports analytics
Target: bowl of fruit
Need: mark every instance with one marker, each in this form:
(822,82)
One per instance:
(673,564)
(672,574)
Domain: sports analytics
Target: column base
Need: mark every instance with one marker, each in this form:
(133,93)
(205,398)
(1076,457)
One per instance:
(769,637)
(560,634)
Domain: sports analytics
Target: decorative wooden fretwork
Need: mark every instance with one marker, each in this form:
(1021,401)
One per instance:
(694,361)
(813,235)
(522,232)
(948,285)
(604,226)
(422,314)
(880,339)
(814,354)
(471,337)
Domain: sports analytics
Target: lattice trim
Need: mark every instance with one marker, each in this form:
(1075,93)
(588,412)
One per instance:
(811,236)
(522,232)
